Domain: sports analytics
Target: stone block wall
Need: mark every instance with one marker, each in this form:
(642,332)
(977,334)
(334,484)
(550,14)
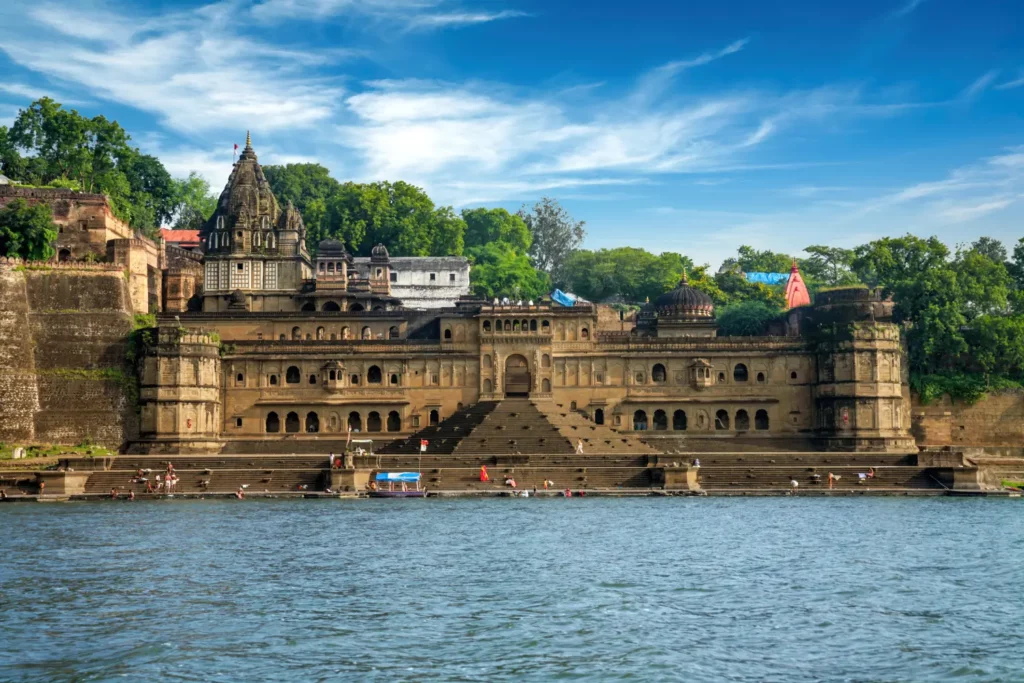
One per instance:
(995,421)
(63,342)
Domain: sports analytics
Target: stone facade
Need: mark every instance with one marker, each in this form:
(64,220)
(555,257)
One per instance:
(424,281)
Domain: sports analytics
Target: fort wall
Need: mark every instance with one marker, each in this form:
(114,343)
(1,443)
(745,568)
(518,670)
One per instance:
(63,343)
(996,421)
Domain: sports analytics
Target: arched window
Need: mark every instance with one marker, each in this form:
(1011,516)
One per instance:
(330,267)
(584,333)
(291,423)
(533,326)
(393,332)
(270,240)
(658,373)
(742,421)
(281,337)
(292,376)
(373,375)
(265,222)
(312,423)
(213,241)
(739,373)
(332,375)
(434,417)
(373,422)
(721,420)
(378,307)
(545,361)
(488,387)
(220,222)
(355,422)
(487,326)
(792,375)
(761,419)
(296,333)
(273,380)
(508,325)
(313,379)
(394,421)
(525,327)
(308,307)
(515,325)
(545,385)
(273,423)
(599,416)
(240,378)
(256,239)
(679,420)
(497,326)
(639,421)
(545,326)
(721,377)
(660,420)
(356,308)
(447,334)
(367,333)
(319,333)
(394,379)
(331,306)
(572,406)
(354,380)
(760,377)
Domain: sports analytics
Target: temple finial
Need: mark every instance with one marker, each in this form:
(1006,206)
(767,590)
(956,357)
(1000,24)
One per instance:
(684,280)
(248,139)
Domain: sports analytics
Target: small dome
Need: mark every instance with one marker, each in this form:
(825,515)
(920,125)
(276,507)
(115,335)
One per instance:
(379,253)
(331,248)
(685,301)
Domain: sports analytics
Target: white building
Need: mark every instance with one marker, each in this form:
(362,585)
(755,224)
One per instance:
(424,281)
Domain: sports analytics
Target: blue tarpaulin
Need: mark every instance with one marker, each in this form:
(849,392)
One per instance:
(560,297)
(398,476)
(768,278)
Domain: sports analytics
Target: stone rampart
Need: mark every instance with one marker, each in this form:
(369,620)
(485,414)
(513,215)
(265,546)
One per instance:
(63,342)
(996,421)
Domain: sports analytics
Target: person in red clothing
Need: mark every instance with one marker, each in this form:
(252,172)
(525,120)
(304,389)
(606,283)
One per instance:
(483,473)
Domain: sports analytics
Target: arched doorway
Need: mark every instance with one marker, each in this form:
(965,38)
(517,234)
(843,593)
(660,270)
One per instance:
(517,376)
(394,421)
(599,416)
(291,423)
(64,255)
(373,422)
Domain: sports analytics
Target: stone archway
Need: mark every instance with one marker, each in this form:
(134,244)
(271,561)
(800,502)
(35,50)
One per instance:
(517,376)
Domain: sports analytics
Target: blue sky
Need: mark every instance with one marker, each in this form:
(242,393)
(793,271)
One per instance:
(694,126)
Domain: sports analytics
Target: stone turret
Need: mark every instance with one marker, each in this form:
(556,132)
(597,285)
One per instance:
(860,398)
(180,393)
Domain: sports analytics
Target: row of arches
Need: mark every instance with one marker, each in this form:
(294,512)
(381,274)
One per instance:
(740,374)
(294,424)
(374,375)
(335,307)
(660,421)
(344,333)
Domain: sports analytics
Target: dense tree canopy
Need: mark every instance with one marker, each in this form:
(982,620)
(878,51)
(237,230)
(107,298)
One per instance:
(499,271)
(747,318)
(625,274)
(484,226)
(555,233)
(27,231)
(50,145)
(193,202)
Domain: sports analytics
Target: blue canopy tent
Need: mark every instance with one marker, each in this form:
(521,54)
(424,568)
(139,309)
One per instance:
(408,477)
(768,278)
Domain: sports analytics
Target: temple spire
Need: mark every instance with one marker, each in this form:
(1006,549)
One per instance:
(248,140)
(684,280)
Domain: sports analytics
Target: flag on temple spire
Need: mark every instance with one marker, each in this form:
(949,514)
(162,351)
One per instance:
(796,291)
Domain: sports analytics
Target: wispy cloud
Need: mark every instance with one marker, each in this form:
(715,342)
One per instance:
(906,8)
(706,57)
(1015,83)
(980,85)
(455,19)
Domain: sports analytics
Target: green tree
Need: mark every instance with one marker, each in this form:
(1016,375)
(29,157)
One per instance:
(997,345)
(498,270)
(398,215)
(622,274)
(27,231)
(555,233)
(991,248)
(484,226)
(751,260)
(194,203)
(745,319)
(829,265)
(309,187)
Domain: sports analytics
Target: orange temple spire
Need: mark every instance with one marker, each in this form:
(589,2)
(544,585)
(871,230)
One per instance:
(796,290)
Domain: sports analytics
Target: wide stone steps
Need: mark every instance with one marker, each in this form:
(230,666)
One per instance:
(468,479)
(219,481)
(444,437)
(597,438)
(514,426)
(780,477)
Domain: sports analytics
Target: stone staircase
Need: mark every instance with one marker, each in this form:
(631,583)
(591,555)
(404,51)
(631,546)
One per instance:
(445,436)
(514,426)
(596,438)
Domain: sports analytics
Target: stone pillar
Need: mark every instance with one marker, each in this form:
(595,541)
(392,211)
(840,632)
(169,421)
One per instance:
(180,393)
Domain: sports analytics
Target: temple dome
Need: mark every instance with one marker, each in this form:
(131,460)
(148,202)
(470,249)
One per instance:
(379,253)
(331,248)
(685,301)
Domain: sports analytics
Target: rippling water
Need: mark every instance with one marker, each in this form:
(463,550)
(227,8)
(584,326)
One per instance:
(510,589)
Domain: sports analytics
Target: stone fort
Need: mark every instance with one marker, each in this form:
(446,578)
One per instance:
(263,349)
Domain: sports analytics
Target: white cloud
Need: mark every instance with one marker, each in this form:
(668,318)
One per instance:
(980,85)
(1009,85)
(455,19)
(906,8)
(959,213)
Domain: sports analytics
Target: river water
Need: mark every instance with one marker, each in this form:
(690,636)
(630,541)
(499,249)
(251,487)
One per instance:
(766,589)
